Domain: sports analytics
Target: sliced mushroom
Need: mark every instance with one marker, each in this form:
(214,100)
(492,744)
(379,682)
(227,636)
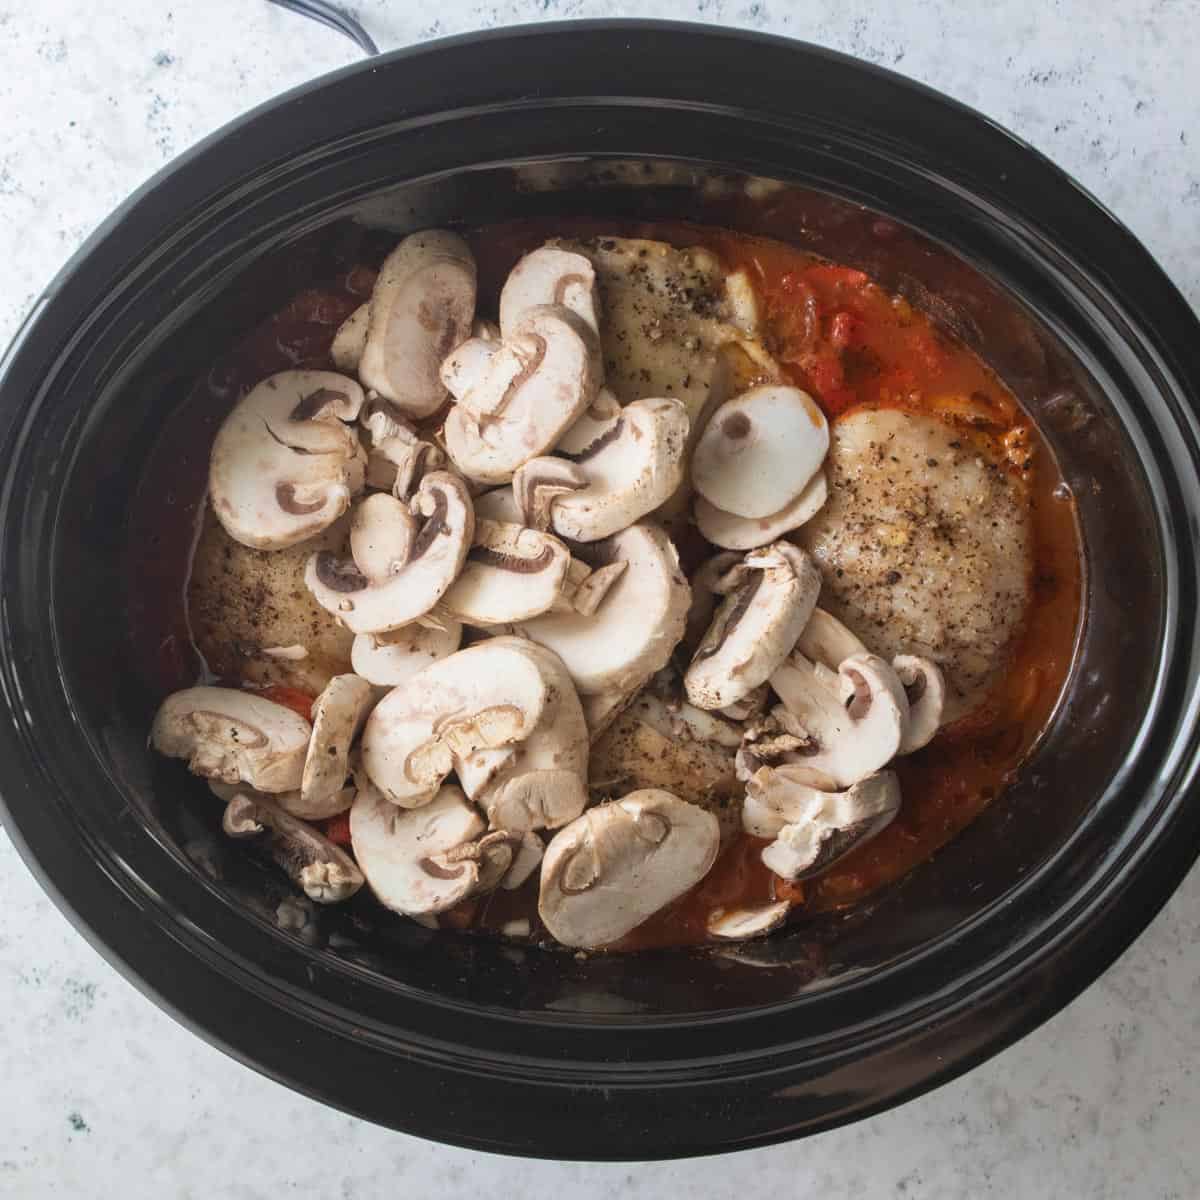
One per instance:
(925,687)
(597,421)
(631,635)
(233,736)
(745,533)
(399,457)
(323,871)
(772,739)
(511,573)
(584,589)
(401,850)
(517,397)
(704,600)
(498,504)
(284,464)
(827,641)
(760,451)
(539,483)
(338,714)
(769,597)
(544,784)
(737,924)
(813,828)
(853,719)
(350,338)
(490,696)
(549,275)
(421,309)
(390,659)
(526,860)
(627,472)
(289,801)
(402,565)
(618,864)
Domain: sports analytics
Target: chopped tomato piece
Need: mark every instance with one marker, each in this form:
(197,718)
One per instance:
(825,373)
(831,276)
(337,829)
(845,330)
(294,698)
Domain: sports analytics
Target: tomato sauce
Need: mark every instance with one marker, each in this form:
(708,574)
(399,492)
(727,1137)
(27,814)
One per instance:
(847,341)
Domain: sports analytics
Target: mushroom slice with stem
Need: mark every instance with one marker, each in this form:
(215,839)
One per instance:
(704,600)
(323,871)
(487,697)
(627,472)
(746,533)
(338,714)
(390,659)
(925,687)
(285,464)
(618,864)
(769,597)
(421,309)
(585,589)
(596,421)
(827,641)
(233,736)
(517,397)
(399,457)
(539,483)
(405,556)
(737,924)
(549,275)
(853,719)
(760,451)
(814,828)
(401,851)
(510,573)
(350,338)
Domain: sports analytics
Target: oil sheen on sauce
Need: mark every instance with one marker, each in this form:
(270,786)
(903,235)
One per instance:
(847,342)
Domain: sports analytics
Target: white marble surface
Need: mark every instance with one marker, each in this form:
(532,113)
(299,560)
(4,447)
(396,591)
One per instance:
(104,1095)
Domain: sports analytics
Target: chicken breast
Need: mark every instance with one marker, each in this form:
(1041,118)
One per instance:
(243,603)
(925,545)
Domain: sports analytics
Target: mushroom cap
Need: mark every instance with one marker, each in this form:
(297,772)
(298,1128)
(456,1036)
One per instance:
(549,275)
(487,696)
(736,924)
(338,714)
(390,659)
(396,849)
(814,828)
(760,450)
(746,533)
(421,309)
(854,718)
(499,504)
(510,573)
(323,871)
(628,471)
(402,565)
(827,641)
(769,598)
(284,466)
(350,338)
(619,863)
(632,633)
(925,686)
(517,397)
(233,736)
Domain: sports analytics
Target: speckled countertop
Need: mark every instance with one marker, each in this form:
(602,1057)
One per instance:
(104,1095)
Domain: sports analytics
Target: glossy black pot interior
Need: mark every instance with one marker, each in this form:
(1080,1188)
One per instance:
(674,1052)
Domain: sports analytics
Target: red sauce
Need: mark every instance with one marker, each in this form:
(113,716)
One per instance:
(848,342)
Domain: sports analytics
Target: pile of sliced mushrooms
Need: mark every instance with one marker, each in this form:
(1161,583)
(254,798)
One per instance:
(499,491)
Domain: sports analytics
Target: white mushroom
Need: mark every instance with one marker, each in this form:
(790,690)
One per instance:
(517,397)
(421,309)
(233,736)
(526,860)
(323,871)
(925,687)
(390,659)
(289,801)
(827,641)
(704,600)
(405,557)
(399,457)
(401,851)
(853,719)
(627,472)
(338,714)
(769,597)
(760,450)
(490,696)
(350,338)
(284,464)
(596,421)
(584,589)
(745,533)
(632,633)
(813,828)
(549,275)
(736,924)
(510,573)
(618,864)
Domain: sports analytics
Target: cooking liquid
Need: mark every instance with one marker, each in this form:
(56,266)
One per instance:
(847,342)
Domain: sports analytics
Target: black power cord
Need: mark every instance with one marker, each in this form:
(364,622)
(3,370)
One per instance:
(334,18)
